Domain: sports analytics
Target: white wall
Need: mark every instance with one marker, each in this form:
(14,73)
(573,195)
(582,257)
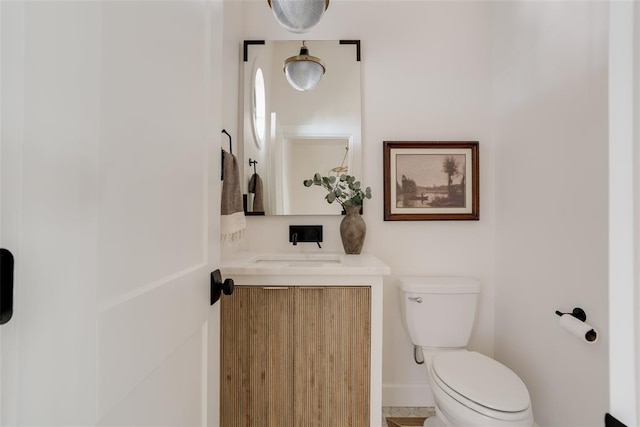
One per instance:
(425,76)
(550,103)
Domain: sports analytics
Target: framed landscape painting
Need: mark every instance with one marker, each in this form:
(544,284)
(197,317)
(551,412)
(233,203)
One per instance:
(431,181)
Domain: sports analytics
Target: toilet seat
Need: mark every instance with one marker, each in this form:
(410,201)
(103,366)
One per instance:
(482,384)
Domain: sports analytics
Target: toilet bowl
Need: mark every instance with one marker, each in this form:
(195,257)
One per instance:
(474,390)
(469,388)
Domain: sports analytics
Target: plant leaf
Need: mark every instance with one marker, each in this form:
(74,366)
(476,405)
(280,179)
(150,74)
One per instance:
(345,189)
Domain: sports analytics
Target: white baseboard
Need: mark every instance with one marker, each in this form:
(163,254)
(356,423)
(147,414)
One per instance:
(414,395)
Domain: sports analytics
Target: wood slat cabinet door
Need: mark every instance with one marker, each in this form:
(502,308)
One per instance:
(257,358)
(297,356)
(332,356)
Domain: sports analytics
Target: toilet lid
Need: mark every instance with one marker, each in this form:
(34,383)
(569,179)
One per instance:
(482,380)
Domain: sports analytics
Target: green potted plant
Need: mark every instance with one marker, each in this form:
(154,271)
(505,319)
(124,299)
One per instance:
(348,192)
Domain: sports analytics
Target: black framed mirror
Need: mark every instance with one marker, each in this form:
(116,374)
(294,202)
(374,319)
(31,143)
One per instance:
(300,133)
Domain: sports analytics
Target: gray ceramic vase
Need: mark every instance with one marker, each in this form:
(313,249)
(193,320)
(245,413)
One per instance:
(353,229)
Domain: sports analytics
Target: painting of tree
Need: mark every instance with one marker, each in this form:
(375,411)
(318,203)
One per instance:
(429,180)
(450,167)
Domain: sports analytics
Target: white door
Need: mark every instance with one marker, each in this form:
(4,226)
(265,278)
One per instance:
(108,202)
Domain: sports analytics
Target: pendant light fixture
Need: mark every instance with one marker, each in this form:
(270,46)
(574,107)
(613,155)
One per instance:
(304,71)
(298,16)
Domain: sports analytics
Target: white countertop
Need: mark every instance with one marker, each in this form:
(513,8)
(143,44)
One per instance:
(304,264)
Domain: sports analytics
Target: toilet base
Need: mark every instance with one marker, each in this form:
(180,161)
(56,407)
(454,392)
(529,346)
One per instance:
(433,421)
(440,420)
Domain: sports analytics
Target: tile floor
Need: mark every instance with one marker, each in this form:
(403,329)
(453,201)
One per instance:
(406,422)
(405,412)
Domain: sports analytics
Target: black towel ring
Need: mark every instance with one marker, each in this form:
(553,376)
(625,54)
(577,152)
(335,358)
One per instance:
(230,144)
(222,154)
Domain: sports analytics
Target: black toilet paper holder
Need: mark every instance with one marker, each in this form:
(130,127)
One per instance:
(577,312)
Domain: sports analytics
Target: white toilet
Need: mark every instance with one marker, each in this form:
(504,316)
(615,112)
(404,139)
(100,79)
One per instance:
(470,389)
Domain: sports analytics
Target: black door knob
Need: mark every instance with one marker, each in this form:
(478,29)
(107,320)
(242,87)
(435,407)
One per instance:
(218,286)
(227,286)
(6,285)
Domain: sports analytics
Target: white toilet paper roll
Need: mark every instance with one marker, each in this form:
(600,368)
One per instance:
(580,329)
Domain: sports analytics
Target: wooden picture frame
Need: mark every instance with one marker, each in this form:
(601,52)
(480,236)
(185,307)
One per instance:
(431,180)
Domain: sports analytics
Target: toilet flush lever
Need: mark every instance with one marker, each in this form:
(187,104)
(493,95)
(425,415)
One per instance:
(416,299)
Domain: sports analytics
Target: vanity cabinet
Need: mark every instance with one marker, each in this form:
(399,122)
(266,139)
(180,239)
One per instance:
(302,340)
(296,356)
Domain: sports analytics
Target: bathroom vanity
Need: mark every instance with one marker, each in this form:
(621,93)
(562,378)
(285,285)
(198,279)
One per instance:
(302,340)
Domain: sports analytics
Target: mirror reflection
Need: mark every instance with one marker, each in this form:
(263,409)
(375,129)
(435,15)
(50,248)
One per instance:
(292,134)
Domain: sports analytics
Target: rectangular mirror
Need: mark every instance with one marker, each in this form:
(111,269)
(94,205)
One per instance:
(289,135)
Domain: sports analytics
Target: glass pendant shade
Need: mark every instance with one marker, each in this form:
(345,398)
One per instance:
(298,16)
(304,72)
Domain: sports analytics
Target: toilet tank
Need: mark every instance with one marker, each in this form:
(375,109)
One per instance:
(439,312)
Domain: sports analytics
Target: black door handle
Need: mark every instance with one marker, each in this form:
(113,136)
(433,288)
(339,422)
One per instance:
(611,421)
(218,286)
(6,285)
